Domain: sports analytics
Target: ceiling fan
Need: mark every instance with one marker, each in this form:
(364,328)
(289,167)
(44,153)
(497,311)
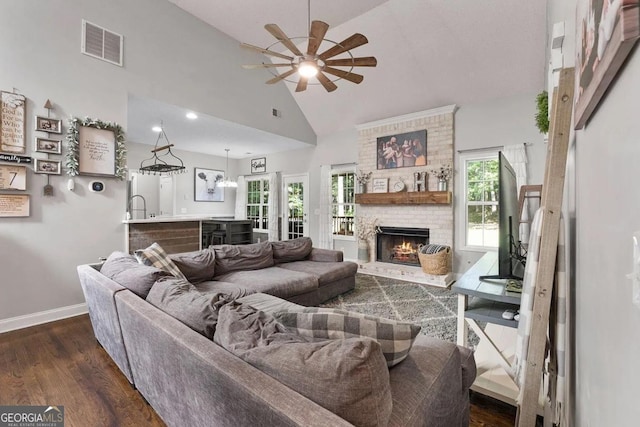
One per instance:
(311,64)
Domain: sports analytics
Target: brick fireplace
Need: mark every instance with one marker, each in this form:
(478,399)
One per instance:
(437,218)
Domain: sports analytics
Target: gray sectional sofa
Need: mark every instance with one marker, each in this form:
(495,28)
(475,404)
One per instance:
(190,379)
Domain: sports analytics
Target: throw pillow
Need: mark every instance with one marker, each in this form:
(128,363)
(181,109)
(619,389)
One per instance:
(125,270)
(348,377)
(156,256)
(180,299)
(395,338)
(242,257)
(292,250)
(197,266)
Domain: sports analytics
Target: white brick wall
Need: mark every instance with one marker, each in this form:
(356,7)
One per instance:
(438,218)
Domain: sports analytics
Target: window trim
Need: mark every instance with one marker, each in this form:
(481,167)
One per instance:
(247,204)
(337,170)
(463,158)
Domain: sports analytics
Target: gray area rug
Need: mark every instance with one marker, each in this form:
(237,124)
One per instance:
(431,307)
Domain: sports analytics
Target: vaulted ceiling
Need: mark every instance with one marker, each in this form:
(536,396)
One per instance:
(430,52)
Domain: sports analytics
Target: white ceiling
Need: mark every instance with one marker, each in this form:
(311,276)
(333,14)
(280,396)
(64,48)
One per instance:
(430,52)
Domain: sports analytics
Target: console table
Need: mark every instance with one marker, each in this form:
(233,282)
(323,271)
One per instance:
(486,300)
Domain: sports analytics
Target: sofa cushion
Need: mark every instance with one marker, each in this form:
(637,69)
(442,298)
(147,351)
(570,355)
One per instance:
(180,299)
(242,257)
(347,377)
(268,303)
(232,290)
(326,272)
(156,256)
(196,266)
(273,281)
(429,388)
(291,250)
(395,338)
(128,272)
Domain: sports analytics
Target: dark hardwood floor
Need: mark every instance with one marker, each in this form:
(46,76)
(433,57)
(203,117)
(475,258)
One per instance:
(61,363)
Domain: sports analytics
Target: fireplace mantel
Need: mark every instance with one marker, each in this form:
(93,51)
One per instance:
(405,198)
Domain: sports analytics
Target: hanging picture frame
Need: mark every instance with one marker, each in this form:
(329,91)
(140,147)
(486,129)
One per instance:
(205,185)
(12,123)
(14,205)
(45,145)
(13,177)
(46,124)
(259,165)
(51,167)
(95,148)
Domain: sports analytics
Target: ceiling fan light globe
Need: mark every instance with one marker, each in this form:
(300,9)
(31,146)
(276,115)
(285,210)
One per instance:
(308,69)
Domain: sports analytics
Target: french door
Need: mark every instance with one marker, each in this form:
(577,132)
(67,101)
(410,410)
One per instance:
(295,216)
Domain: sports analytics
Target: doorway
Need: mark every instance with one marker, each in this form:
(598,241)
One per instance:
(295,189)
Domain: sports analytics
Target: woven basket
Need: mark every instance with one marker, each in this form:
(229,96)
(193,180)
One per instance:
(436,264)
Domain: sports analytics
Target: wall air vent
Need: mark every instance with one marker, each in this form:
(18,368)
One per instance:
(101,43)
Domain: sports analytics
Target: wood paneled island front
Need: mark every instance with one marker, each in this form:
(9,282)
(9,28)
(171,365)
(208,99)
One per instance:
(174,234)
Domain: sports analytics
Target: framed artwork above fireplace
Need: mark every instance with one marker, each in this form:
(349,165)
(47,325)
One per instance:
(402,150)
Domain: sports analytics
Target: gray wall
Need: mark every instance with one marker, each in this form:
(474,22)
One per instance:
(170,56)
(607,202)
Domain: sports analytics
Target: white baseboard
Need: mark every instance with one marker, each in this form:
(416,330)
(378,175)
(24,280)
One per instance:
(41,317)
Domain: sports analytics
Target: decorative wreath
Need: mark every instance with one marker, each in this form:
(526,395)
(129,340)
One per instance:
(72,144)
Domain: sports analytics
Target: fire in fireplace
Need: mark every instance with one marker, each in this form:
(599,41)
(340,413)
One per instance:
(400,245)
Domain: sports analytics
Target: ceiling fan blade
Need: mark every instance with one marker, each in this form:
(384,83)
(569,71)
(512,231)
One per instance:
(302,84)
(324,80)
(316,35)
(266,51)
(367,61)
(282,38)
(352,77)
(345,45)
(282,76)
(254,66)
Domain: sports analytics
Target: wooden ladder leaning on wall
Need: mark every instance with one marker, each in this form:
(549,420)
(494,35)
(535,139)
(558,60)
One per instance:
(552,190)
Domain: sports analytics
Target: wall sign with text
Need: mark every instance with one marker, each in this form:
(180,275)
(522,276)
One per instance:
(12,123)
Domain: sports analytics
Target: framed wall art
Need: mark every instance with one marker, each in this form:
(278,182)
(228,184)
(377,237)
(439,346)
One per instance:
(12,123)
(13,177)
(14,205)
(46,124)
(205,185)
(402,150)
(51,167)
(95,148)
(44,145)
(606,30)
(259,165)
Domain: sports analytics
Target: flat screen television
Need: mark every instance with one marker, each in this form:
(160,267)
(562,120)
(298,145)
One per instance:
(510,259)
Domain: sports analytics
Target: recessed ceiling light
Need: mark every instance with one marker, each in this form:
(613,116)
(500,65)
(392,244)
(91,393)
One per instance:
(156,129)
(191,115)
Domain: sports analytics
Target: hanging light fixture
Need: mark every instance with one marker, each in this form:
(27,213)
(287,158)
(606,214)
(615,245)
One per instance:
(165,163)
(312,67)
(227,182)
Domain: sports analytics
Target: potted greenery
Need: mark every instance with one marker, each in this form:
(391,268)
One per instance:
(542,116)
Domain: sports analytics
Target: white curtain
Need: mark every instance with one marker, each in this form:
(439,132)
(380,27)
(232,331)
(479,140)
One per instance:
(241,199)
(517,156)
(274,205)
(325,225)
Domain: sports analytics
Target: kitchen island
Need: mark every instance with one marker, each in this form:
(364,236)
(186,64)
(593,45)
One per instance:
(179,233)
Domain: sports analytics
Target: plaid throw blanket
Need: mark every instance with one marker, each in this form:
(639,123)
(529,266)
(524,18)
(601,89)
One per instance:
(555,374)
(433,249)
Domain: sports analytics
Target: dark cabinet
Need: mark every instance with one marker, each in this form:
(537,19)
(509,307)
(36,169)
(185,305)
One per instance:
(231,232)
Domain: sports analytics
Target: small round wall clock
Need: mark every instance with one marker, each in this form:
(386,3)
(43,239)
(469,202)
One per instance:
(398,186)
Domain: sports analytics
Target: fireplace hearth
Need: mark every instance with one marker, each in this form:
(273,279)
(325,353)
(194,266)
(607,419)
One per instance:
(399,245)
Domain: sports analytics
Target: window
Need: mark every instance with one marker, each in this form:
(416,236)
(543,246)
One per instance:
(343,206)
(481,200)
(258,203)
